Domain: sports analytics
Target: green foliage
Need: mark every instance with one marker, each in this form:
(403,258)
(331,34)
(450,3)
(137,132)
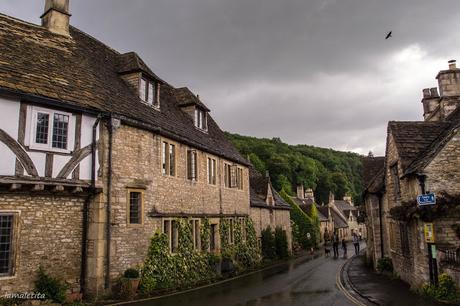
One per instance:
(303,225)
(268,244)
(205,232)
(131,273)
(445,291)
(281,243)
(323,170)
(316,223)
(385,265)
(53,288)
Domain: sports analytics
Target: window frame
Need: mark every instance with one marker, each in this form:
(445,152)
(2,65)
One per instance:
(394,171)
(192,164)
(165,160)
(172,234)
(141,208)
(144,95)
(201,119)
(14,242)
(196,233)
(34,111)
(212,170)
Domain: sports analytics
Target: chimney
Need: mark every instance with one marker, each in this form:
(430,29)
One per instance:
(300,192)
(449,89)
(430,102)
(56,17)
(347,198)
(452,64)
(309,194)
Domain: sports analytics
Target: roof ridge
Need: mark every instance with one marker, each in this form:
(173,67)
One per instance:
(95,39)
(22,21)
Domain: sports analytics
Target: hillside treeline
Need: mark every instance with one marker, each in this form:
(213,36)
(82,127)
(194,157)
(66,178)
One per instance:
(323,170)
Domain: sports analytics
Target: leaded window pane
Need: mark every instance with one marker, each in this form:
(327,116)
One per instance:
(60,130)
(143,89)
(41,135)
(6,239)
(135,204)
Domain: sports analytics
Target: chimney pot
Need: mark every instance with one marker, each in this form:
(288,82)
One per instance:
(56,17)
(452,64)
(426,93)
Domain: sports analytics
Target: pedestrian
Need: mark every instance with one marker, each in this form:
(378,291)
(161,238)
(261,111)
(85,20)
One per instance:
(344,247)
(356,243)
(335,244)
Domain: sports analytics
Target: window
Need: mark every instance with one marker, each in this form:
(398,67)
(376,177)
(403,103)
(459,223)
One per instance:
(171,230)
(242,224)
(212,171)
(168,159)
(50,130)
(192,165)
(213,236)
(395,175)
(239,178)
(404,236)
(148,92)
(231,234)
(195,226)
(135,207)
(393,236)
(6,244)
(200,119)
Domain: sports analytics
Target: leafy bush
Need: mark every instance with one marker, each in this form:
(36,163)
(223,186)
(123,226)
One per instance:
(304,225)
(131,273)
(51,287)
(268,244)
(385,265)
(281,243)
(445,291)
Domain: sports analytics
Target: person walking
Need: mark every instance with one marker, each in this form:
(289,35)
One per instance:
(356,243)
(335,244)
(344,248)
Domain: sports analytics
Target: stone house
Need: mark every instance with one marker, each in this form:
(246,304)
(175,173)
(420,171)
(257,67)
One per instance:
(268,209)
(423,157)
(305,199)
(373,194)
(344,212)
(98,153)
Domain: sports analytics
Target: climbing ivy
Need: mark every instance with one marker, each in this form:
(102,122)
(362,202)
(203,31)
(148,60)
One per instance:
(188,266)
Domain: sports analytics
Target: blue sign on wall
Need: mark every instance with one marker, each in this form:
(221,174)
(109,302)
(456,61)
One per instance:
(426,199)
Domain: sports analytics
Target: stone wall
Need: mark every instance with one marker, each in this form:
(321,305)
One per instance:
(48,233)
(263,217)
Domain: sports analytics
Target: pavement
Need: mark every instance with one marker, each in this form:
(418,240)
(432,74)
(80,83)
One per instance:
(371,288)
(300,281)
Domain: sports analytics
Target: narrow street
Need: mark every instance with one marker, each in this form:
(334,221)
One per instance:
(298,282)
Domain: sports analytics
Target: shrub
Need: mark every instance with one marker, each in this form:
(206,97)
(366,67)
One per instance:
(268,244)
(52,287)
(446,290)
(281,243)
(131,273)
(385,265)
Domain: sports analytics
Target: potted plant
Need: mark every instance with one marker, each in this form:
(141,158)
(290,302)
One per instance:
(130,281)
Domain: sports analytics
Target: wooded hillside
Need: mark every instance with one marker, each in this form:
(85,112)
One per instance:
(321,169)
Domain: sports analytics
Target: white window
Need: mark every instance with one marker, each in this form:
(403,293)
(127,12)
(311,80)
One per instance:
(212,171)
(51,130)
(148,92)
(200,119)
(192,165)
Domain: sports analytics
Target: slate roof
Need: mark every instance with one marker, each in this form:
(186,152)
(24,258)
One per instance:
(259,185)
(339,222)
(373,174)
(185,97)
(80,72)
(324,211)
(305,205)
(131,62)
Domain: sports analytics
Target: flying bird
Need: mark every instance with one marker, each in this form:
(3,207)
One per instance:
(388,35)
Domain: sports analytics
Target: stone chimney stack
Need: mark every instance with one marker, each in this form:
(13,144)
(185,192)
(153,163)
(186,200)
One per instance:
(348,199)
(430,103)
(449,89)
(300,192)
(309,194)
(56,17)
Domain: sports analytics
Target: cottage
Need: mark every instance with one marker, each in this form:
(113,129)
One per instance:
(98,153)
(268,209)
(422,157)
(346,216)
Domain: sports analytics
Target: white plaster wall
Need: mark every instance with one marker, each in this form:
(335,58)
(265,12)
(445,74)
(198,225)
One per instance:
(39,160)
(59,162)
(85,168)
(9,122)
(87,130)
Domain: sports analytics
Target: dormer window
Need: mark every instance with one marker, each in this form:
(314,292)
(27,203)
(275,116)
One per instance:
(148,92)
(201,119)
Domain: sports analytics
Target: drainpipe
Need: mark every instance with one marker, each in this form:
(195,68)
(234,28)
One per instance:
(381,226)
(92,192)
(421,181)
(109,203)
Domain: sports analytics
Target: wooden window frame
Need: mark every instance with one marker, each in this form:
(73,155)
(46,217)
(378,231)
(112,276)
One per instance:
(32,122)
(173,234)
(192,164)
(212,175)
(128,207)
(201,119)
(213,235)
(166,158)
(14,243)
(196,233)
(231,231)
(146,94)
(239,178)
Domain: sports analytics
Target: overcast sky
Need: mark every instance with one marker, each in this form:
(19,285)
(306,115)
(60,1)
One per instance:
(316,72)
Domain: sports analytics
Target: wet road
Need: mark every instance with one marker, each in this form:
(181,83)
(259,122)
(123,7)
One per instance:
(298,282)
